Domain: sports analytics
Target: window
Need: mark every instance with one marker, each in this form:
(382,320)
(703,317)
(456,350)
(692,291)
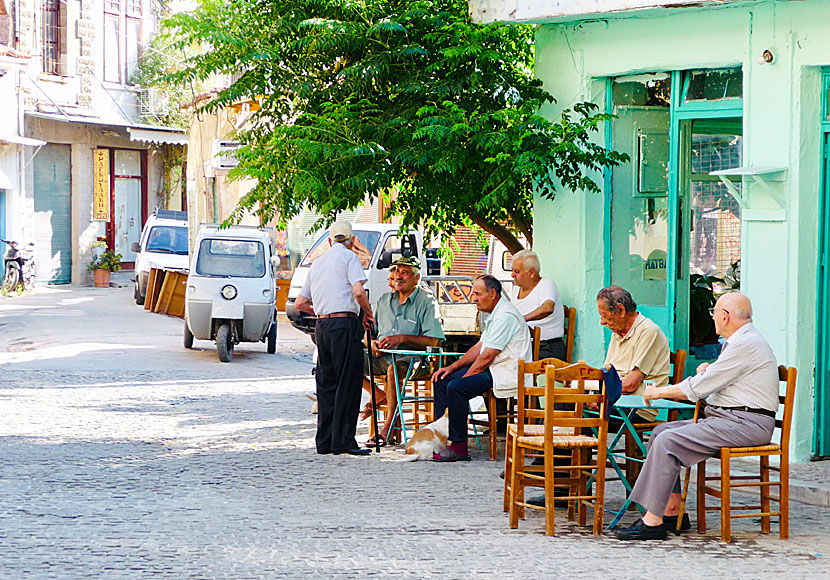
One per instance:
(238,258)
(122,39)
(53,37)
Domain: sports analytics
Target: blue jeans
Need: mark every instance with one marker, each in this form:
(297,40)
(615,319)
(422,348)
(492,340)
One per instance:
(454,392)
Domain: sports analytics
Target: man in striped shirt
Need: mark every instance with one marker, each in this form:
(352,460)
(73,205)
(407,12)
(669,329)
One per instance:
(741,389)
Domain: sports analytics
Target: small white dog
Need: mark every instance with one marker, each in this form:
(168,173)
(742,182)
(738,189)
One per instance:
(428,440)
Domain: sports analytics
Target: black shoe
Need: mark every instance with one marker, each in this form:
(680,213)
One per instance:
(671,524)
(640,531)
(539,500)
(355,451)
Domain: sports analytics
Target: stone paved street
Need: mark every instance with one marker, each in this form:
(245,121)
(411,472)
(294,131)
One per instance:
(123,455)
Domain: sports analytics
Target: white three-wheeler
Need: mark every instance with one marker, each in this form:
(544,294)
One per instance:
(231,288)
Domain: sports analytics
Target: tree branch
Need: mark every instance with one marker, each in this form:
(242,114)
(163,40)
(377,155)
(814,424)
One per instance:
(504,235)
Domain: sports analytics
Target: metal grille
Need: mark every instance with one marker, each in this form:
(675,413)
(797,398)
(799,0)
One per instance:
(51,37)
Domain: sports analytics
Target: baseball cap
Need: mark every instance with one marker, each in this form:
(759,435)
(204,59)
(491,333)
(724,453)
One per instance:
(340,231)
(410,261)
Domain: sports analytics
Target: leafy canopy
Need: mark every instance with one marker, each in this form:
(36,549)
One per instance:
(367,97)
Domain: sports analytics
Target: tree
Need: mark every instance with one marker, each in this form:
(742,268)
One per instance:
(363,98)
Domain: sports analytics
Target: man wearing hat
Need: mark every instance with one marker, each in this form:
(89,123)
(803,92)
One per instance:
(334,293)
(407,318)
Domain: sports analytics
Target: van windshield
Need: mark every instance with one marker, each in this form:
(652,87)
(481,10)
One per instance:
(238,258)
(167,240)
(364,246)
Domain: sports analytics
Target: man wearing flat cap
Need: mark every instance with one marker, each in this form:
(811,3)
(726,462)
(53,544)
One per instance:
(334,293)
(408,318)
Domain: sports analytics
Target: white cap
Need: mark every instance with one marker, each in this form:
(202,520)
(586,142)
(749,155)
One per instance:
(340,231)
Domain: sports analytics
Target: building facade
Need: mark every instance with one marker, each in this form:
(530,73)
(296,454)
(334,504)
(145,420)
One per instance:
(89,169)
(723,109)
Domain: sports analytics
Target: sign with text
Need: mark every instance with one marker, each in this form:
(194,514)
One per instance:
(101,185)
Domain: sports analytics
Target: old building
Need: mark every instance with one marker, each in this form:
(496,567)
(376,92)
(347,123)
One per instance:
(723,109)
(89,168)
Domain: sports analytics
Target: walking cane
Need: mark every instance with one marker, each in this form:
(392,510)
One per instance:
(372,389)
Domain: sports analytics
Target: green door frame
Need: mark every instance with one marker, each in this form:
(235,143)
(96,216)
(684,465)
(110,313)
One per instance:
(821,409)
(680,113)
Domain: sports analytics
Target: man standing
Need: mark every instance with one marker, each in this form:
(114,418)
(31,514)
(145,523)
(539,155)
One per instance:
(741,389)
(334,293)
(408,318)
(492,363)
(538,300)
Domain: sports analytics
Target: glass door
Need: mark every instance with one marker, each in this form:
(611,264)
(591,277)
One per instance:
(127,211)
(709,230)
(639,240)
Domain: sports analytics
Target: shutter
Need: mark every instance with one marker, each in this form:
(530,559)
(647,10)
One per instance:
(470,258)
(53,225)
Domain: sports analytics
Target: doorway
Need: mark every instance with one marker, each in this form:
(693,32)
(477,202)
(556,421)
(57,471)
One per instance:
(128,203)
(675,228)
(821,432)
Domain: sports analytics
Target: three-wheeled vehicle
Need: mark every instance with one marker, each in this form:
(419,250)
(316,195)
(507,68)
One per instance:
(231,289)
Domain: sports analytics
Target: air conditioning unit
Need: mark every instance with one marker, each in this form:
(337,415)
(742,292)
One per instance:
(223,157)
(151,103)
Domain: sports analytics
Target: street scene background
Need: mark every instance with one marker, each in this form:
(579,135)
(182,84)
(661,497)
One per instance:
(123,455)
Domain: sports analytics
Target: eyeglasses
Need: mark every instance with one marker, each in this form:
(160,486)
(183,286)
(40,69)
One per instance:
(713,310)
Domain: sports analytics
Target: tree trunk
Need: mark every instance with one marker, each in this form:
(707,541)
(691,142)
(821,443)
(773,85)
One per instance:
(504,235)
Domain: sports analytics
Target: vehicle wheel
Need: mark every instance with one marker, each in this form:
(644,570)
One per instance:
(11,279)
(188,336)
(224,343)
(139,299)
(272,339)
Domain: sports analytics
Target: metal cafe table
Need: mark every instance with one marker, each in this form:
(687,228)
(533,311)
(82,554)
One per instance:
(400,387)
(624,409)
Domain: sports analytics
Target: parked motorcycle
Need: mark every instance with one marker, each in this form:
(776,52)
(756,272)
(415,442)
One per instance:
(19,266)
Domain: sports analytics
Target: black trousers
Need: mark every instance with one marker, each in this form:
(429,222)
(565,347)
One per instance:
(553,348)
(339,383)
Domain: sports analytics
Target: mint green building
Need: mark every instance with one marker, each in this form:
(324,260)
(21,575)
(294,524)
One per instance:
(724,109)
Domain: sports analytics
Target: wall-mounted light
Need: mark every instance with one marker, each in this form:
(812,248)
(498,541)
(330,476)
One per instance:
(766,57)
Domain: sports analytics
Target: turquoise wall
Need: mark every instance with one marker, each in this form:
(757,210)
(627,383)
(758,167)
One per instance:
(781,129)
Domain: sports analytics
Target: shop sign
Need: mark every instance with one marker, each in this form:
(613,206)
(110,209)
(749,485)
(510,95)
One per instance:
(101,185)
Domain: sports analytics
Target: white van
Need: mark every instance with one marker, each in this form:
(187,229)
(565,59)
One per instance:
(163,245)
(377,246)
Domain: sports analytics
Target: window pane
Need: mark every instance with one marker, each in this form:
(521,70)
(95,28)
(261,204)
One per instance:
(239,258)
(133,38)
(112,6)
(127,162)
(51,37)
(715,85)
(133,7)
(112,53)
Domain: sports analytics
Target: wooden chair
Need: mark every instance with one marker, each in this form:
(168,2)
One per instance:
(582,469)
(762,480)
(570,331)
(534,368)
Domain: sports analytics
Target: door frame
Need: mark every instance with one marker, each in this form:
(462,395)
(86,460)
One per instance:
(821,422)
(110,229)
(680,113)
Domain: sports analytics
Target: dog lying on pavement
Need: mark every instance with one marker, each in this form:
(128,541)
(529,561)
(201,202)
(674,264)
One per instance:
(428,440)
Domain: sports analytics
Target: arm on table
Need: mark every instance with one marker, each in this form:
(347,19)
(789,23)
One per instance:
(418,342)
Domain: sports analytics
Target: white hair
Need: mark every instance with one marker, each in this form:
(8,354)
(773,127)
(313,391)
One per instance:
(529,258)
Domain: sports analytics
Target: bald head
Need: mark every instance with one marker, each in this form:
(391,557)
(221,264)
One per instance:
(732,311)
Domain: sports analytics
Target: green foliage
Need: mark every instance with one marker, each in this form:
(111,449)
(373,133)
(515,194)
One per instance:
(379,96)
(107,260)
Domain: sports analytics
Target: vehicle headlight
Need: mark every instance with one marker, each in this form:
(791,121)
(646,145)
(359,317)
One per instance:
(229,292)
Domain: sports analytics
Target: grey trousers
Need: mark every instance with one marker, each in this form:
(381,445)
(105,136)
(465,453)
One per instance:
(685,443)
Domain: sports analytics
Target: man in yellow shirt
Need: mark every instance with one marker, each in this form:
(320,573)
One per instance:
(639,349)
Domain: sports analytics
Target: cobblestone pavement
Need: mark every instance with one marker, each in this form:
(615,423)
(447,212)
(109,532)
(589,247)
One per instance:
(122,455)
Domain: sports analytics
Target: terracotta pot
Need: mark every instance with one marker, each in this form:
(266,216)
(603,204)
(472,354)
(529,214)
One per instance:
(102,278)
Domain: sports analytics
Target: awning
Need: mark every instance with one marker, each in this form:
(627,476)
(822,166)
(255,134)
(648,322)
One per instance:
(172,137)
(18,140)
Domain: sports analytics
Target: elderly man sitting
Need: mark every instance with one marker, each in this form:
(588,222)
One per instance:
(538,300)
(741,388)
(492,363)
(408,318)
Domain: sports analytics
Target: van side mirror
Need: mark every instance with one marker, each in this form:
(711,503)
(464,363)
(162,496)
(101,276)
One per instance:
(385,260)
(134,247)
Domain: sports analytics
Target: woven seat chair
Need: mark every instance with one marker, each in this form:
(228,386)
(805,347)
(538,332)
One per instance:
(584,472)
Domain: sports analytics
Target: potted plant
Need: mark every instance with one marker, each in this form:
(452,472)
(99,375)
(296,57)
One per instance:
(103,264)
